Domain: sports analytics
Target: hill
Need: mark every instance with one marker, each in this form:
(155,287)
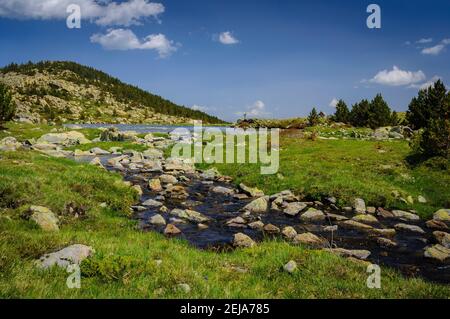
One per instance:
(64,91)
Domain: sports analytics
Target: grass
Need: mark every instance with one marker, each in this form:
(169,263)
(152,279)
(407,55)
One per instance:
(125,261)
(347,169)
(107,145)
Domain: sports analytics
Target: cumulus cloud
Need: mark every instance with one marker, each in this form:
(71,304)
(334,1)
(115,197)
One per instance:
(435,50)
(125,39)
(398,77)
(196,107)
(427,84)
(227,38)
(104,13)
(334,102)
(424,40)
(257,109)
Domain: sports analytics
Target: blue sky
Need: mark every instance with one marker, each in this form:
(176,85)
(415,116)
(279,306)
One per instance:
(266,58)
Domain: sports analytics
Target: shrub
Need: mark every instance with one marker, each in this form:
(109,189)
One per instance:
(313,117)
(342,113)
(7,106)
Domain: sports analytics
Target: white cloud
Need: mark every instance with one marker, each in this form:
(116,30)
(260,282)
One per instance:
(445,41)
(434,50)
(125,39)
(105,13)
(423,41)
(334,102)
(427,84)
(227,38)
(196,107)
(257,109)
(397,77)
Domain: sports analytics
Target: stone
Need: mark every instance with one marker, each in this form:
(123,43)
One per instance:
(437,252)
(384,213)
(202,226)
(332,228)
(190,215)
(152,203)
(385,242)
(96,162)
(98,151)
(155,185)
(257,206)
(359,206)
(402,215)
(222,190)
(293,209)
(371,210)
(243,241)
(436,224)
(168,179)
(351,224)
(386,232)
(290,267)
(44,218)
(259,225)
(289,232)
(410,228)
(177,192)
(312,215)
(442,215)
(171,230)
(336,217)
(64,139)
(9,144)
(356,253)
(185,288)
(138,189)
(251,191)
(240,196)
(157,220)
(442,238)
(78,152)
(307,238)
(163,209)
(421,199)
(210,174)
(70,255)
(365,218)
(271,229)
(237,222)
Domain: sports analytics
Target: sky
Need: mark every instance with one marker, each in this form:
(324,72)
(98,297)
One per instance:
(266,58)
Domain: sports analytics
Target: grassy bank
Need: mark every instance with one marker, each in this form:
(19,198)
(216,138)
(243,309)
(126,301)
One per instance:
(125,261)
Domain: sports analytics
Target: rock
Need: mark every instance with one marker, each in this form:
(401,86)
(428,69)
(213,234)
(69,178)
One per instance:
(44,218)
(64,139)
(442,215)
(256,225)
(437,252)
(289,232)
(365,218)
(336,217)
(371,210)
(384,213)
(78,152)
(293,209)
(402,215)
(9,144)
(242,240)
(290,267)
(155,185)
(73,254)
(202,226)
(98,151)
(138,189)
(312,215)
(157,220)
(190,215)
(171,230)
(271,229)
(410,228)
(356,253)
(347,209)
(210,174)
(222,190)
(386,232)
(139,208)
(257,206)
(168,179)
(307,238)
(421,199)
(332,228)
(351,224)
(359,206)
(384,242)
(442,238)
(185,288)
(152,203)
(240,196)
(251,191)
(96,162)
(163,209)
(177,192)
(436,224)
(237,222)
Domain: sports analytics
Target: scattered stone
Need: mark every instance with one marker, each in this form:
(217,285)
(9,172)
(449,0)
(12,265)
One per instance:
(442,238)
(436,224)
(271,229)
(157,220)
(437,252)
(9,144)
(371,210)
(64,139)
(290,267)
(177,192)
(168,179)
(251,191)
(185,288)
(312,215)
(259,225)
(411,228)
(223,190)
(347,209)
(237,222)
(171,230)
(202,226)
(359,206)
(139,208)
(190,215)
(293,209)
(356,253)
(73,254)
(152,203)
(242,240)
(240,196)
(307,238)
(384,213)
(138,189)
(44,218)
(332,228)
(442,215)
(386,232)
(96,162)
(384,242)
(351,224)
(163,209)
(98,151)
(365,218)
(402,215)
(289,232)
(257,206)
(210,174)
(421,199)
(336,217)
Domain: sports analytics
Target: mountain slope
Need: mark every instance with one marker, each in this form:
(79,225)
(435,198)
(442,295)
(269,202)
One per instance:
(66,91)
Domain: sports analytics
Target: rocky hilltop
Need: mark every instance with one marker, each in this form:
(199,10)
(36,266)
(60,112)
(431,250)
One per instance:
(70,92)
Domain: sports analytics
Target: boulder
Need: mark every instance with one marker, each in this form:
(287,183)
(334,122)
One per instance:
(138,189)
(442,215)
(251,191)
(351,224)
(442,238)
(359,206)
(356,253)
(155,185)
(152,203)
(9,144)
(308,239)
(243,241)
(402,215)
(44,218)
(290,267)
(437,252)
(223,190)
(257,206)
(385,242)
(157,220)
(168,179)
(271,229)
(294,208)
(190,215)
(171,230)
(73,254)
(410,228)
(259,225)
(436,224)
(365,218)
(289,232)
(312,215)
(64,139)
(98,151)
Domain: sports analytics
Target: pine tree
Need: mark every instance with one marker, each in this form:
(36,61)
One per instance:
(342,113)
(359,115)
(313,117)
(395,119)
(379,113)
(7,106)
